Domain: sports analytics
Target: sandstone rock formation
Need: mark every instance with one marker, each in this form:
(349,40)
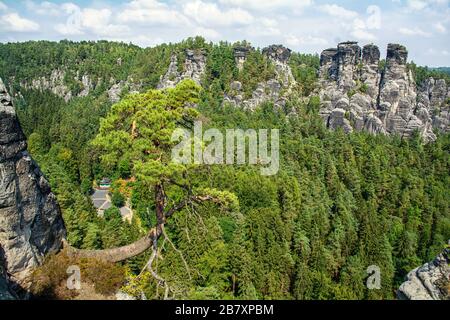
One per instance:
(5,292)
(193,68)
(240,55)
(56,84)
(275,90)
(117,88)
(31,225)
(428,282)
(357,95)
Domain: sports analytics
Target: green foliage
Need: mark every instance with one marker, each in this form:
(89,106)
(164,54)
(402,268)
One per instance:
(339,204)
(421,74)
(305,69)
(117,199)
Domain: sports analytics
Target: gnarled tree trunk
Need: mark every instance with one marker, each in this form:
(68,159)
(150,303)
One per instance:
(117,254)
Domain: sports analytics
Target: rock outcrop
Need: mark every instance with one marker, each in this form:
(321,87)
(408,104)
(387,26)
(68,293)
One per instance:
(240,55)
(31,224)
(357,95)
(5,291)
(56,84)
(428,282)
(117,88)
(274,90)
(193,68)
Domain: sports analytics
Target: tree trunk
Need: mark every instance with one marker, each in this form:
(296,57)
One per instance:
(116,254)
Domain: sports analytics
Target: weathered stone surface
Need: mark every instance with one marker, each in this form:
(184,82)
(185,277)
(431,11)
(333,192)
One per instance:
(383,101)
(428,282)
(348,59)
(274,90)
(193,68)
(240,55)
(277,52)
(5,291)
(338,120)
(31,225)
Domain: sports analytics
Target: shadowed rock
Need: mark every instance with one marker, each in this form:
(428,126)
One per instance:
(31,225)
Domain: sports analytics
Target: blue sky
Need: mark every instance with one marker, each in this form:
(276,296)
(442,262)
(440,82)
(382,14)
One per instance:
(423,26)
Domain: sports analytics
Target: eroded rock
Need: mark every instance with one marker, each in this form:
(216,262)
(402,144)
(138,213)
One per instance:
(428,282)
(379,101)
(31,224)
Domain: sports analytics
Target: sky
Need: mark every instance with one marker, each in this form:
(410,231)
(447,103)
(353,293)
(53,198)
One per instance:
(307,26)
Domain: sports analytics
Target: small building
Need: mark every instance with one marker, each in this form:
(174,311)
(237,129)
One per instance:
(105,183)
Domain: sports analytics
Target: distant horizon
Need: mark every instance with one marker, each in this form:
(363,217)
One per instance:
(306,26)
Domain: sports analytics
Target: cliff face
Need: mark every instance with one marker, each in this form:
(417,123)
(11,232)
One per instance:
(5,291)
(356,95)
(56,84)
(31,224)
(275,90)
(428,282)
(193,68)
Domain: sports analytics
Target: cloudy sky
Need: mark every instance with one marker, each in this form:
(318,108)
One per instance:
(302,25)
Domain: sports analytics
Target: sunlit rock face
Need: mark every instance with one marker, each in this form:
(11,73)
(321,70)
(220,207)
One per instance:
(31,224)
(428,282)
(357,95)
(193,68)
(276,90)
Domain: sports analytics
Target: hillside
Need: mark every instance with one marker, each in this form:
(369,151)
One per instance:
(342,201)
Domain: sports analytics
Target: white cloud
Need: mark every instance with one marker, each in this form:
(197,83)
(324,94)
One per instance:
(151,13)
(209,14)
(44,8)
(439,27)
(15,23)
(96,21)
(207,33)
(262,5)
(338,11)
(374,19)
(3,6)
(362,34)
(414,32)
(295,41)
(417,4)
(434,52)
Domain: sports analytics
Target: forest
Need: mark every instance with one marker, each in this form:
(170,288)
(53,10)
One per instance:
(339,203)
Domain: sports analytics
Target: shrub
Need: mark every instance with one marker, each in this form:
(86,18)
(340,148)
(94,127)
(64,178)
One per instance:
(117,199)
(49,280)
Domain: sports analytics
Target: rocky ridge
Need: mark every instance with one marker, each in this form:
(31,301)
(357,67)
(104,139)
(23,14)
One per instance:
(428,282)
(193,68)
(356,95)
(56,83)
(276,90)
(31,224)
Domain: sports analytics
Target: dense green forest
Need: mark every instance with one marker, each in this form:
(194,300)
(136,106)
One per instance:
(339,204)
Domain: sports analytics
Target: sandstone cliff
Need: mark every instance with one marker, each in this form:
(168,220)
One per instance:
(193,68)
(357,95)
(31,224)
(428,282)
